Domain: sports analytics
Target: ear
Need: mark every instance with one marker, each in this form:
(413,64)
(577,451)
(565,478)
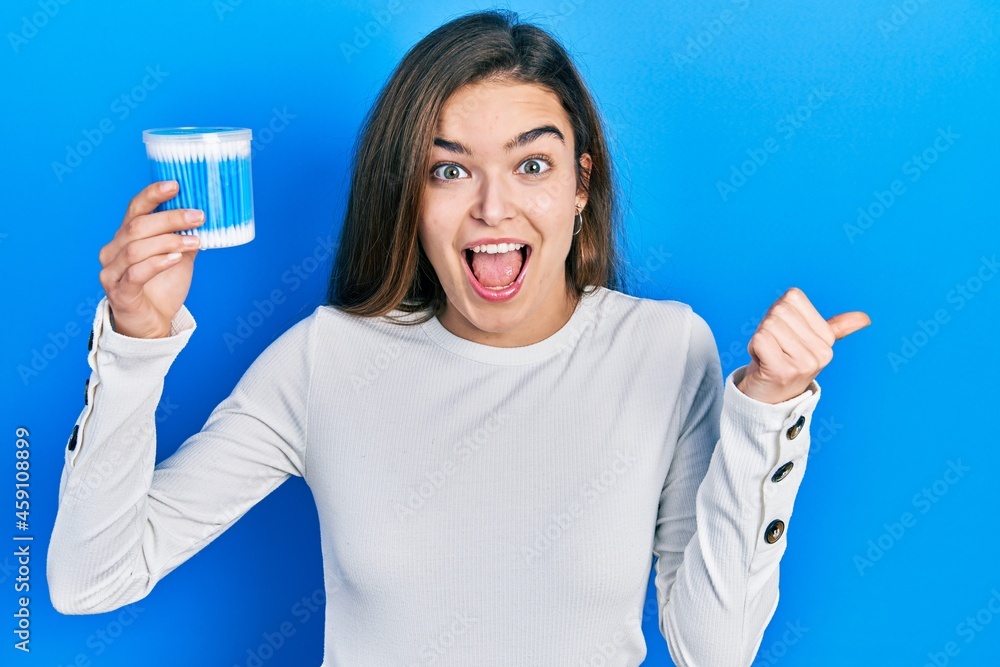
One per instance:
(581,195)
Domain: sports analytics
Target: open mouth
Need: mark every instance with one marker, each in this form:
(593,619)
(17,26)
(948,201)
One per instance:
(496,268)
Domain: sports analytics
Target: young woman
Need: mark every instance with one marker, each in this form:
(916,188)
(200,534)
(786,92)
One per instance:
(498,439)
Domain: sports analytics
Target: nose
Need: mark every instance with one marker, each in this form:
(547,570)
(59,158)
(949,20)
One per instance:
(495,201)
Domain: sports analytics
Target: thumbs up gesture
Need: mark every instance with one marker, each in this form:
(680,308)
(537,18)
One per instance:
(792,344)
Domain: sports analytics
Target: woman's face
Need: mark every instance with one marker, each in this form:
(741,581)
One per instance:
(501,169)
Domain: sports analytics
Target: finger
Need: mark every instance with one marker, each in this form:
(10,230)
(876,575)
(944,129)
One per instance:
(150,197)
(136,276)
(766,349)
(140,250)
(752,350)
(152,224)
(795,353)
(149,225)
(847,323)
(817,348)
(798,299)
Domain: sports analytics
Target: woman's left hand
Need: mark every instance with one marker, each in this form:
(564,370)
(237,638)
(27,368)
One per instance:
(792,344)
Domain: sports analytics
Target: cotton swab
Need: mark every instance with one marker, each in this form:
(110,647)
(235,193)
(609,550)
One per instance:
(212,167)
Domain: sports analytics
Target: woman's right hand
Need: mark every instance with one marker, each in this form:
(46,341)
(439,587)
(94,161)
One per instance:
(145,286)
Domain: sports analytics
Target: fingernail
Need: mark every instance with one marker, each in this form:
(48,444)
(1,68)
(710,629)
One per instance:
(167,186)
(173,256)
(191,241)
(193,215)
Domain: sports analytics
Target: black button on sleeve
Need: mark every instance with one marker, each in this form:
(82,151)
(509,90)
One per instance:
(90,342)
(796,427)
(71,445)
(774,531)
(782,472)
(86,386)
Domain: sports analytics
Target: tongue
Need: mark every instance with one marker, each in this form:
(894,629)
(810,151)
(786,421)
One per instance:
(496,270)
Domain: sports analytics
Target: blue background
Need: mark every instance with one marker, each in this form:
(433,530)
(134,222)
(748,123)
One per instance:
(839,98)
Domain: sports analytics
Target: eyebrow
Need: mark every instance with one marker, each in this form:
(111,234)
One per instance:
(522,139)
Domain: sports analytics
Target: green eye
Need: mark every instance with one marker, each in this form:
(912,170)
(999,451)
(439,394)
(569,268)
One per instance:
(450,172)
(533,166)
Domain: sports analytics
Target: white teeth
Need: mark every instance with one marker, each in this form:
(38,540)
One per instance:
(494,248)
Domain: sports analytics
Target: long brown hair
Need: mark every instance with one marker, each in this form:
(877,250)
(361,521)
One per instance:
(380,265)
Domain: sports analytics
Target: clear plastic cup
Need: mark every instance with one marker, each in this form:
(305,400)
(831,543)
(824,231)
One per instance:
(212,167)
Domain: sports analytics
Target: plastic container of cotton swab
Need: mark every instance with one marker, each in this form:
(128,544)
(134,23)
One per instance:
(212,167)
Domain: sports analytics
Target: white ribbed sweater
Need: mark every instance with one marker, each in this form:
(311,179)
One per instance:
(478,505)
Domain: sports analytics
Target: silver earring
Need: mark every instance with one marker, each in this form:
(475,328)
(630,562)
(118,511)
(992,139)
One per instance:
(576,230)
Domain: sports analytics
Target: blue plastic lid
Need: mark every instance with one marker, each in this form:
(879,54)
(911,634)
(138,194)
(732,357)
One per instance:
(206,134)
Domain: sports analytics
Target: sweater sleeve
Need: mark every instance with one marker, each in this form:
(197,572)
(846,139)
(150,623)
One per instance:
(122,524)
(724,511)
